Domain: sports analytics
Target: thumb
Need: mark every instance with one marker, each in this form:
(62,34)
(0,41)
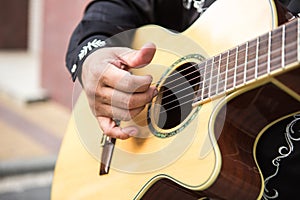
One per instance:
(141,57)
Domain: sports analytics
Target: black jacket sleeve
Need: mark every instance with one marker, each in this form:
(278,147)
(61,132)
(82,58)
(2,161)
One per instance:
(103,19)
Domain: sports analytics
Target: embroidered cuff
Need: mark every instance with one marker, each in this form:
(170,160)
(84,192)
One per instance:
(86,48)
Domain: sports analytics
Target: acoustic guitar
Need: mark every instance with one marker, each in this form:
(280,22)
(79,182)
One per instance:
(223,84)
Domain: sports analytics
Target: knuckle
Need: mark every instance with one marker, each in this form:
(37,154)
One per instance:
(126,116)
(125,83)
(128,83)
(99,110)
(132,102)
(103,111)
(103,95)
(104,79)
(117,98)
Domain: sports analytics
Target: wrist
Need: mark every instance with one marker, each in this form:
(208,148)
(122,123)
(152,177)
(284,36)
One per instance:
(82,52)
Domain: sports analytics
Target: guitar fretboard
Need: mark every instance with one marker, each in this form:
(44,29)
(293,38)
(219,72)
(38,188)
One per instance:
(261,57)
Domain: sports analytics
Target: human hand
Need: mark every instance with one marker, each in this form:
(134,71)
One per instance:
(113,92)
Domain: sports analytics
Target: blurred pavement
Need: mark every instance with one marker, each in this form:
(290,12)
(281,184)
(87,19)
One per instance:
(31,134)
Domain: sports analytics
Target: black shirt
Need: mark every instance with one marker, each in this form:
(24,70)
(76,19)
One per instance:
(103,19)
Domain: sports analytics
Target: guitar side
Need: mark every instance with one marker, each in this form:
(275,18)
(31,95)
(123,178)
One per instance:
(76,173)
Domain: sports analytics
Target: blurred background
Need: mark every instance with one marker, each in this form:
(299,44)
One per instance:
(35,92)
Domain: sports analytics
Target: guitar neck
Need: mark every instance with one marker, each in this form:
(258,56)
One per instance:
(264,56)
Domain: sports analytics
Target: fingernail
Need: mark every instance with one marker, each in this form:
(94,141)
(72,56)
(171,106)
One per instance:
(131,131)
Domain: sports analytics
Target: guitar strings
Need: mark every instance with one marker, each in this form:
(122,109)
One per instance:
(212,70)
(240,73)
(215,84)
(166,110)
(224,92)
(226,71)
(227,52)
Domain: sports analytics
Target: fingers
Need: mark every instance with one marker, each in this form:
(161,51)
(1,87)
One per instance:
(113,92)
(104,110)
(116,98)
(121,79)
(140,57)
(124,81)
(110,129)
(118,105)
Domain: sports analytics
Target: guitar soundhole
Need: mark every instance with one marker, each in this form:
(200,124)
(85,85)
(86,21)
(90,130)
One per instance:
(176,96)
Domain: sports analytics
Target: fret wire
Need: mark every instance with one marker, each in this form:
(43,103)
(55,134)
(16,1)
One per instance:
(249,54)
(235,65)
(283,47)
(226,71)
(298,39)
(276,44)
(231,68)
(216,73)
(202,72)
(203,85)
(289,53)
(251,58)
(246,60)
(256,59)
(211,73)
(257,47)
(222,73)
(269,60)
(290,44)
(219,68)
(290,36)
(208,77)
(240,64)
(269,52)
(273,61)
(192,101)
(263,55)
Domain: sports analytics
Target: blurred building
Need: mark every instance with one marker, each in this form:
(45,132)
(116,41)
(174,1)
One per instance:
(34,36)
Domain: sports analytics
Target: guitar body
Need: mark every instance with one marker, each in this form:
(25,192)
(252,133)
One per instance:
(205,150)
